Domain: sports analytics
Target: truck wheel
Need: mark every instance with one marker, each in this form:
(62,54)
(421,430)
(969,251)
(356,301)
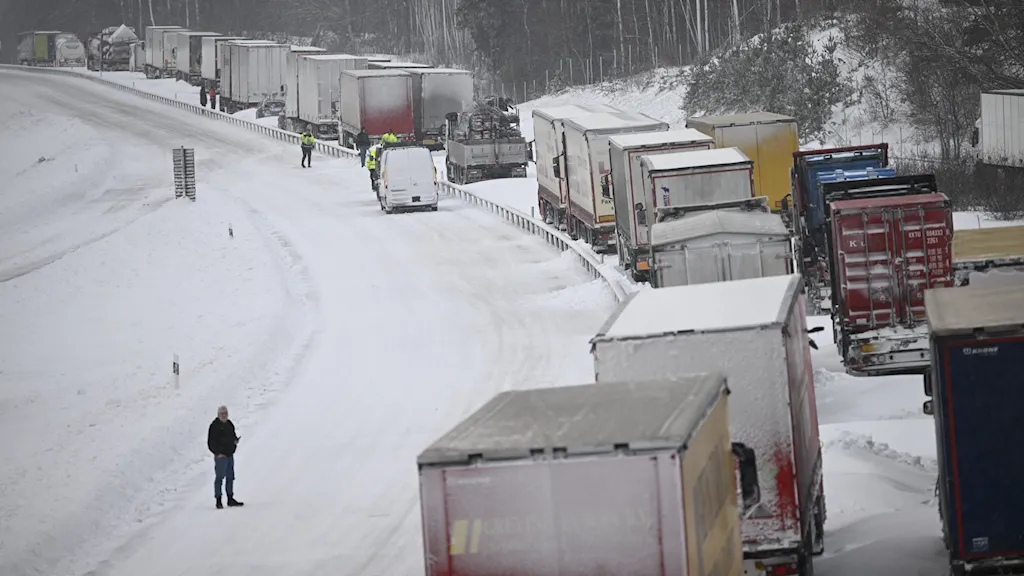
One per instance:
(806,565)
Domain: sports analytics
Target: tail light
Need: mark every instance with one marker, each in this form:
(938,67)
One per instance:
(782,570)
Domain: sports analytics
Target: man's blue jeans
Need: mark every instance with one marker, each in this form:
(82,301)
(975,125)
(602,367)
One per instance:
(362,156)
(225,472)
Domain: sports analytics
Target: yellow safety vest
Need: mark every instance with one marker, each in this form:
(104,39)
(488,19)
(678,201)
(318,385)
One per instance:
(389,138)
(308,139)
(371,162)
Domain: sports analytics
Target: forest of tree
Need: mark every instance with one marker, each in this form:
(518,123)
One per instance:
(519,42)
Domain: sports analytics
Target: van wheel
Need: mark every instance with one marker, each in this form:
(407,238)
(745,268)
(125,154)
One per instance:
(433,208)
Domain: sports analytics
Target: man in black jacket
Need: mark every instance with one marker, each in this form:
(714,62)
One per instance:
(222,441)
(362,144)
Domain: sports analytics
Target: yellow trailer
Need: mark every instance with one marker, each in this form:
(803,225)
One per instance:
(767,138)
(987,255)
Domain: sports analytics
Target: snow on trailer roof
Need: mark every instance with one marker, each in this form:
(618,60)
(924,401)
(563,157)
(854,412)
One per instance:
(332,57)
(739,119)
(666,137)
(966,309)
(695,159)
(996,243)
(886,201)
(298,49)
(583,419)
(598,121)
(711,307)
(438,71)
(1006,92)
(390,64)
(569,110)
(368,73)
(717,222)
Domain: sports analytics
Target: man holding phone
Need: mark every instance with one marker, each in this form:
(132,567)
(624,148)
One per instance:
(222,441)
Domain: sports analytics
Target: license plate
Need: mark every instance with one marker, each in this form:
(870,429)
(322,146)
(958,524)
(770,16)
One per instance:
(415,198)
(430,141)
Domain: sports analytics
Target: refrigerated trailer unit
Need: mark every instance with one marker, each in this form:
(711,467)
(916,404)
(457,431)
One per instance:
(155,37)
(189,56)
(375,100)
(625,185)
(170,52)
(290,119)
(319,91)
(256,73)
(719,246)
(989,256)
(677,180)
(436,92)
(622,478)
(590,214)
(977,350)
(754,332)
(549,151)
(209,67)
(768,139)
(888,243)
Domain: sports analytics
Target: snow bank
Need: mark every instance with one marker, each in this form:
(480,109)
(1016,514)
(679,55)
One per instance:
(166,87)
(250,115)
(85,375)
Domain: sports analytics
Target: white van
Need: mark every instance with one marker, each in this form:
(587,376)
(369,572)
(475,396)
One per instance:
(408,179)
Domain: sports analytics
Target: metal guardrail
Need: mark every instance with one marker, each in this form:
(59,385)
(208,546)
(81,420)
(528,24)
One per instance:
(530,224)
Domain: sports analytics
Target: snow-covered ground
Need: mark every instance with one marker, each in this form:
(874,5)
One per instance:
(384,330)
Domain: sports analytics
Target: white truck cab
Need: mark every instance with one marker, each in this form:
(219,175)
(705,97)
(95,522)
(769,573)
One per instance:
(408,178)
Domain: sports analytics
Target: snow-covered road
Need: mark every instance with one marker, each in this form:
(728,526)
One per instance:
(399,325)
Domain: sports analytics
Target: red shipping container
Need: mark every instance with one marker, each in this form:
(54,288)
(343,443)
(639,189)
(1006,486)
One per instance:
(886,252)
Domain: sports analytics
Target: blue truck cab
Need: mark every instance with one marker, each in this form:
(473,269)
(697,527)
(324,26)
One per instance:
(804,209)
(977,394)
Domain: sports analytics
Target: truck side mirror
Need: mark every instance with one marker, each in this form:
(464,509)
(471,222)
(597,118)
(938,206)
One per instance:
(606,187)
(928,408)
(785,202)
(556,169)
(975,137)
(749,489)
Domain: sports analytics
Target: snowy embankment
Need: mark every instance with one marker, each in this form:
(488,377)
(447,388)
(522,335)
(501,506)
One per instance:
(102,280)
(170,88)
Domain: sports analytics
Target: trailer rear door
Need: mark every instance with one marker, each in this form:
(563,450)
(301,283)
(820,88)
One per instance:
(886,252)
(986,435)
(553,518)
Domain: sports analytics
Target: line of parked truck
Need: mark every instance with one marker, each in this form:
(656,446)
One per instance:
(696,450)
(335,96)
(733,197)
